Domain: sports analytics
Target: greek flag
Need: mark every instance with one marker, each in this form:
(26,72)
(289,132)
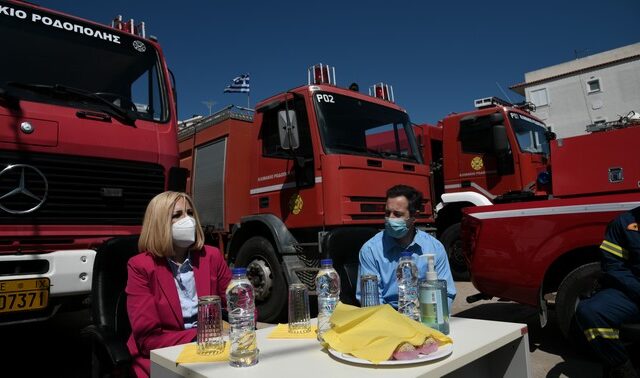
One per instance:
(239,85)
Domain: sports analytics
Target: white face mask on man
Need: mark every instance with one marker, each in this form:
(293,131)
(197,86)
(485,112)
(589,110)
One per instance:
(184,232)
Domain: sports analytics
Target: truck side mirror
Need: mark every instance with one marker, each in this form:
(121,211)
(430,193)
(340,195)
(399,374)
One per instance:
(288,130)
(550,135)
(500,139)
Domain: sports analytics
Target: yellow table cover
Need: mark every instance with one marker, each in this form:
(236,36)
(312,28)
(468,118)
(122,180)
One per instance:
(281,331)
(373,333)
(190,354)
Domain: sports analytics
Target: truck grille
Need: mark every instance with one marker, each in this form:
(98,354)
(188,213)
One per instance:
(81,190)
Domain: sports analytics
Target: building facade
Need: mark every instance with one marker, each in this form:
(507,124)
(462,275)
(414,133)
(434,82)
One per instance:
(595,89)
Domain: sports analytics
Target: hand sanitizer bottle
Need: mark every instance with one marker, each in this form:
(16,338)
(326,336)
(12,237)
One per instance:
(434,306)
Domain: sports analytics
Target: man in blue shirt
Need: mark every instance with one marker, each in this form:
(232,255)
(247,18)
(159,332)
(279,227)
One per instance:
(380,255)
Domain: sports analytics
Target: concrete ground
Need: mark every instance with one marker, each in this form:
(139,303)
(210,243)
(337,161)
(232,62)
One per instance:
(55,348)
(551,355)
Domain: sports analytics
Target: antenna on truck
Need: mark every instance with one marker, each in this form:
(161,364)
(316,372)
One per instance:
(503,92)
(209,104)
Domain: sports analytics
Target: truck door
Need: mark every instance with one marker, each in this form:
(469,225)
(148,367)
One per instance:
(285,183)
(486,162)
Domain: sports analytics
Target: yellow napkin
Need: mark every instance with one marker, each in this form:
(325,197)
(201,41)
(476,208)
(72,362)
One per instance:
(281,331)
(373,333)
(190,354)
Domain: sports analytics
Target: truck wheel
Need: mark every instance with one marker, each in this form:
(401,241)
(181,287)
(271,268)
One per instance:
(450,238)
(581,282)
(266,275)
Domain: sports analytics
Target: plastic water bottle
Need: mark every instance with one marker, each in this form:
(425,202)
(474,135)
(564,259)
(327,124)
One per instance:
(328,289)
(407,275)
(241,307)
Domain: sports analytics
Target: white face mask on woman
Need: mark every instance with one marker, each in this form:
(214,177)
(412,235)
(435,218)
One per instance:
(184,232)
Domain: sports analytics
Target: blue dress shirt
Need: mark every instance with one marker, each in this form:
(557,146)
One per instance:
(380,256)
(186,285)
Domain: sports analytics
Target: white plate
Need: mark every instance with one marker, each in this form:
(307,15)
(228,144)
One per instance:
(441,352)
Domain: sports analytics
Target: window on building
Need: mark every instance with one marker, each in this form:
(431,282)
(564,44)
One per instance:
(539,97)
(593,85)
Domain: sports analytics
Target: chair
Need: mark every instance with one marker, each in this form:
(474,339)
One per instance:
(343,246)
(110,329)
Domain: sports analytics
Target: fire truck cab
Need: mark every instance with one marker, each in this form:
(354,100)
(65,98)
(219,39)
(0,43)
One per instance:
(497,153)
(272,185)
(546,253)
(87,137)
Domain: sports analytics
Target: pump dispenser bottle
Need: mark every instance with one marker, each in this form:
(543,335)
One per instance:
(434,305)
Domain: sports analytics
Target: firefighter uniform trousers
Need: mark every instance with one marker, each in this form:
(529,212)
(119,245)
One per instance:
(618,301)
(600,316)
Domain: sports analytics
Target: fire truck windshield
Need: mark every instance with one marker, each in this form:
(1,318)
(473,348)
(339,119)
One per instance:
(49,58)
(356,127)
(530,134)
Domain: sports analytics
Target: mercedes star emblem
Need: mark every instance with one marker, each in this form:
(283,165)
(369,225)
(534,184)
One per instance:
(25,185)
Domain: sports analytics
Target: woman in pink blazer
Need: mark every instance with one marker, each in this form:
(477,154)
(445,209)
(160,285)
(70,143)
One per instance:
(173,268)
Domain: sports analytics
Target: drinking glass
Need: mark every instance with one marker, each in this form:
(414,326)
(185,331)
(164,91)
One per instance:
(369,290)
(299,314)
(209,332)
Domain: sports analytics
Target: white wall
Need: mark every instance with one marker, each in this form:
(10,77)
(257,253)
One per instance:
(571,108)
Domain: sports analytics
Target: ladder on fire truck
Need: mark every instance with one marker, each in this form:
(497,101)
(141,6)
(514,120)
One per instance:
(631,119)
(189,127)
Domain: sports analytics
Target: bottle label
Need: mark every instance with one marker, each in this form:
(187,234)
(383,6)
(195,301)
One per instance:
(431,306)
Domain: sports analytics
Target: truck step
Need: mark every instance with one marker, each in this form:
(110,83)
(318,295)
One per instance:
(478,297)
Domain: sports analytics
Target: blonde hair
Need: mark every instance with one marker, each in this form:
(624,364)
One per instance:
(156,234)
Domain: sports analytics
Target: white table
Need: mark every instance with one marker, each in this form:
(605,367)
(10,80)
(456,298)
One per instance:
(481,348)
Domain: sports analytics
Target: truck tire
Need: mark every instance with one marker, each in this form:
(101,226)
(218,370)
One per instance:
(264,271)
(579,283)
(450,238)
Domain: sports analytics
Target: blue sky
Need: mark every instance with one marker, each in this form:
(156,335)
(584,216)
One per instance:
(439,56)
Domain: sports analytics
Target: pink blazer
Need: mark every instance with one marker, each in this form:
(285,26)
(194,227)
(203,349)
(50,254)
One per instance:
(153,304)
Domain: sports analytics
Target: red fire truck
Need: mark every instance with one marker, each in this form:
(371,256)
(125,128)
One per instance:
(271,186)
(547,252)
(496,153)
(87,137)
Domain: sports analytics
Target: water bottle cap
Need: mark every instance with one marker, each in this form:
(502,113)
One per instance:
(326,262)
(405,254)
(238,271)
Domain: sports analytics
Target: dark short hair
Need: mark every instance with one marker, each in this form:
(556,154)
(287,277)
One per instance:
(411,194)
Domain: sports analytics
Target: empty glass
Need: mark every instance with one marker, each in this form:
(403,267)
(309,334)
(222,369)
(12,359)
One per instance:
(209,336)
(299,314)
(369,290)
